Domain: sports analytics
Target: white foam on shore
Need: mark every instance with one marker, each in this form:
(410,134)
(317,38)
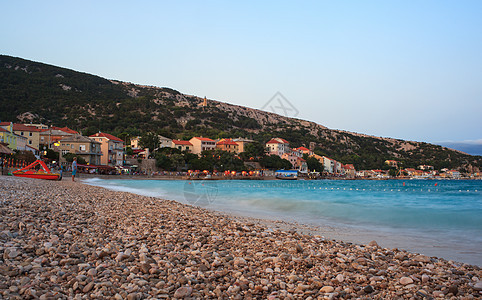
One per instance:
(157,193)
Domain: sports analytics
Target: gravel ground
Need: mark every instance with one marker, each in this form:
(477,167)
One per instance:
(69,240)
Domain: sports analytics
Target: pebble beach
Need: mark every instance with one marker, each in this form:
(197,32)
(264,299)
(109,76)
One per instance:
(68,240)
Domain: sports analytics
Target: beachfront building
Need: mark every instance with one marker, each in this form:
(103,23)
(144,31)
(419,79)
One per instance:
(30,132)
(8,136)
(410,171)
(303,151)
(182,145)
(21,142)
(228,145)
(349,171)
(362,174)
(38,126)
(112,149)
(242,142)
(200,144)
(380,174)
(301,165)
(278,146)
(291,158)
(164,142)
(392,163)
(329,165)
(425,167)
(135,142)
(53,135)
(81,146)
(453,174)
(296,161)
(338,167)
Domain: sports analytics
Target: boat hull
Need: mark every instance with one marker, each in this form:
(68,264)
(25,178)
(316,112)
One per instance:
(286,177)
(52,176)
(40,172)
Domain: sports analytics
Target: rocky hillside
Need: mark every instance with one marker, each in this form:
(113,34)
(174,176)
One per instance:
(36,92)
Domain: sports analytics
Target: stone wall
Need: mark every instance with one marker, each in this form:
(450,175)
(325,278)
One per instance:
(145,165)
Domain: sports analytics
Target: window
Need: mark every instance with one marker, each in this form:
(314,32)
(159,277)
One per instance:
(30,134)
(71,146)
(30,142)
(82,147)
(21,133)
(65,152)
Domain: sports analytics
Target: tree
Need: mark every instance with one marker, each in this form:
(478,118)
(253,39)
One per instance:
(163,161)
(150,140)
(275,162)
(178,161)
(129,151)
(69,157)
(52,155)
(125,137)
(25,155)
(253,150)
(314,164)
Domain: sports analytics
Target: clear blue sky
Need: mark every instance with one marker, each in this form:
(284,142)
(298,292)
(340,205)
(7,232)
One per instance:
(403,69)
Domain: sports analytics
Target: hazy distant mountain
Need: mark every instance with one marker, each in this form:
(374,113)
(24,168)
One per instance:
(36,92)
(472,148)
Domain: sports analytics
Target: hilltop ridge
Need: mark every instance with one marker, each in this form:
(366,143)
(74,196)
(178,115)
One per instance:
(36,92)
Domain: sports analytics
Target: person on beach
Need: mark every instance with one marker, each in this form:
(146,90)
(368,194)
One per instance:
(74,168)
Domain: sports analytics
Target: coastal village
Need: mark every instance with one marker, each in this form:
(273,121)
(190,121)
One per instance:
(104,153)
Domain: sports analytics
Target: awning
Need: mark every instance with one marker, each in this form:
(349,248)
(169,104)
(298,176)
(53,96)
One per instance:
(4,149)
(96,167)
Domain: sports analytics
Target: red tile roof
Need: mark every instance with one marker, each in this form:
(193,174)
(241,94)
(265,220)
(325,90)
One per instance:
(65,129)
(3,130)
(21,127)
(106,135)
(55,138)
(187,143)
(203,139)
(227,142)
(278,141)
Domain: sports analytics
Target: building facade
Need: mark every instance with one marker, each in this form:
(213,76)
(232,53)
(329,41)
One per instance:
(182,145)
(228,145)
(112,149)
(53,135)
(201,144)
(81,146)
(8,137)
(164,142)
(278,146)
(30,132)
(242,143)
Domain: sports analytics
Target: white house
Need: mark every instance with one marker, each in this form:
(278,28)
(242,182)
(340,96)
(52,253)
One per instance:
(278,146)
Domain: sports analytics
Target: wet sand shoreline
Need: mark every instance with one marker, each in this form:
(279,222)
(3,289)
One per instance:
(69,240)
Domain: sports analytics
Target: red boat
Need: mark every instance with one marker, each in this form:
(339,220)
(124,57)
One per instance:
(40,173)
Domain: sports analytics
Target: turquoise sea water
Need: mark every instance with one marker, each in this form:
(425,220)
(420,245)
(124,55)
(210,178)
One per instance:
(437,218)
